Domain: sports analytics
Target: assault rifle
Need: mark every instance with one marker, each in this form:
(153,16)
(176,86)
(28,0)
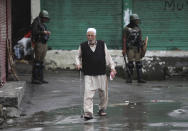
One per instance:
(126,66)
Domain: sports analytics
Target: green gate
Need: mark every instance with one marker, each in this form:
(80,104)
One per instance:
(165,22)
(71,18)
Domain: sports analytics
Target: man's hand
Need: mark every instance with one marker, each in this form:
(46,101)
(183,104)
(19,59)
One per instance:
(112,74)
(47,32)
(78,67)
(114,71)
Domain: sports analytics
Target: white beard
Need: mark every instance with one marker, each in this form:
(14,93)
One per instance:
(92,41)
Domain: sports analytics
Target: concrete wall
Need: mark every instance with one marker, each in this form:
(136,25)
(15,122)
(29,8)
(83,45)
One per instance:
(157,65)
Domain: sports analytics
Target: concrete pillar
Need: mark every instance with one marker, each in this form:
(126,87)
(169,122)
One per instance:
(127,10)
(35,9)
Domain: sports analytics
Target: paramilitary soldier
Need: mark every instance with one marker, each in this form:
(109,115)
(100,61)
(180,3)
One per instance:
(132,47)
(40,36)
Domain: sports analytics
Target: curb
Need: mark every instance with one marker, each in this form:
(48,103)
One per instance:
(11,96)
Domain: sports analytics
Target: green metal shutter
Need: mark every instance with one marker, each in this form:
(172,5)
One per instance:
(71,18)
(165,22)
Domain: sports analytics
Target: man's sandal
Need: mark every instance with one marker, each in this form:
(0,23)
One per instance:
(102,113)
(88,116)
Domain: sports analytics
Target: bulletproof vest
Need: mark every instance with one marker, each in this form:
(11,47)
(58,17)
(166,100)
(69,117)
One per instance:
(93,63)
(37,27)
(133,36)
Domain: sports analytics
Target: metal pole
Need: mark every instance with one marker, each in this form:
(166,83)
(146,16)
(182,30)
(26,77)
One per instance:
(81,98)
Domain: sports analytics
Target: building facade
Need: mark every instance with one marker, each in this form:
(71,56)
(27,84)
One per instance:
(163,21)
(5,36)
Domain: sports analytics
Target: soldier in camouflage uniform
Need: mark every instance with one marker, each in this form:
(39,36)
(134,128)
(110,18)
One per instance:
(132,47)
(40,36)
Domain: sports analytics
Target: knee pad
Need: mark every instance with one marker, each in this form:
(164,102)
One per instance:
(139,64)
(130,65)
(37,64)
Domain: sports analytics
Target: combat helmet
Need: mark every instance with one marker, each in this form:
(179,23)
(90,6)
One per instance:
(134,17)
(44,14)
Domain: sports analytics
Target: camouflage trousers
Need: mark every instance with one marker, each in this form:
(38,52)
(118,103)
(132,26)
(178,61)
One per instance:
(40,51)
(133,54)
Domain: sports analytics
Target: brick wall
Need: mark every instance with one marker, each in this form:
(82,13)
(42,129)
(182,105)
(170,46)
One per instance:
(5,33)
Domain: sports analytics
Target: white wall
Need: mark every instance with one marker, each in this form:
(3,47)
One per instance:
(62,59)
(35,9)
(126,16)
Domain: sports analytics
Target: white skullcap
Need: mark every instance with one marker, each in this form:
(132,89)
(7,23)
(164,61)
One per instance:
(92,30)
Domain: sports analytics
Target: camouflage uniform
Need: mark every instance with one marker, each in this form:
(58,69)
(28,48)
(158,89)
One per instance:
(39,38)
(133,44)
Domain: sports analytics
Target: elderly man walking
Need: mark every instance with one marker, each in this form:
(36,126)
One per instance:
(93,57)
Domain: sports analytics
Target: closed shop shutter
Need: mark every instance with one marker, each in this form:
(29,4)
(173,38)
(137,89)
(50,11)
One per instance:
(3,40)
(165,22)
(71,18)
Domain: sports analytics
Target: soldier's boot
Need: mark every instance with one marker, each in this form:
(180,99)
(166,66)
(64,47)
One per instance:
(42,74)
(139,72)
(130,72)
(36,73)
(129,80)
